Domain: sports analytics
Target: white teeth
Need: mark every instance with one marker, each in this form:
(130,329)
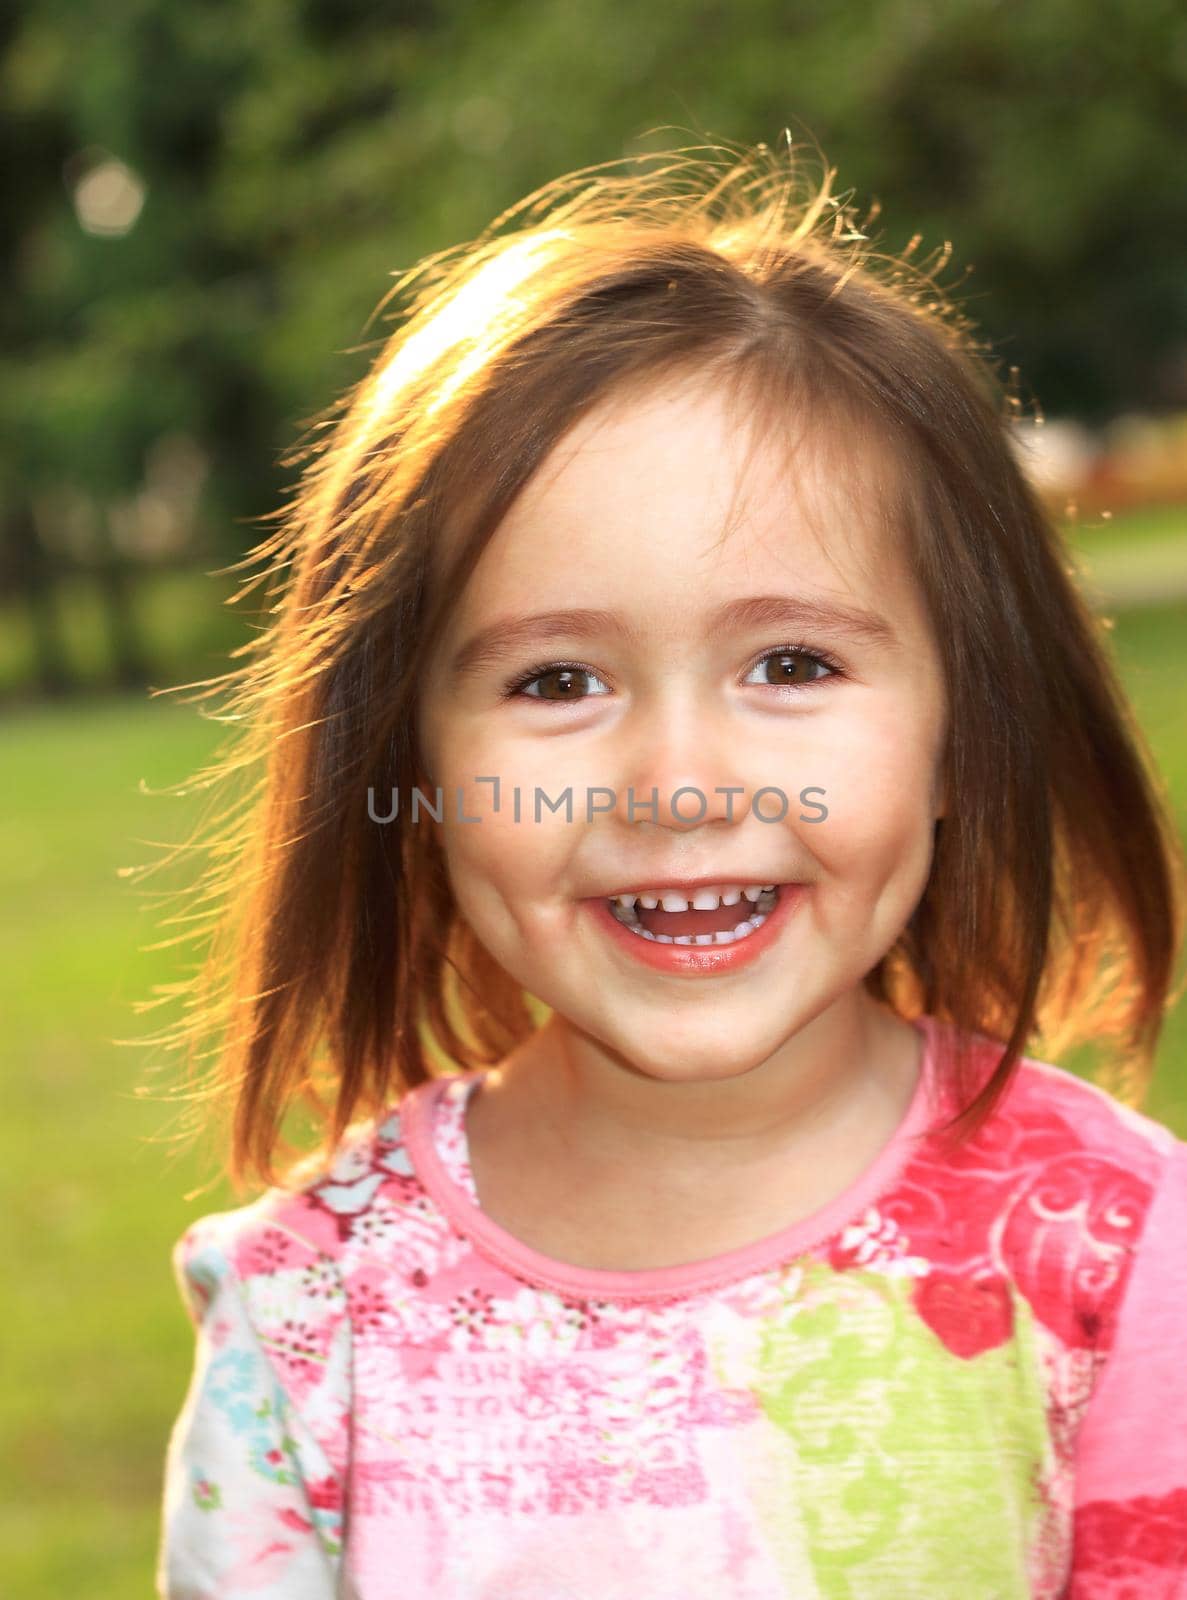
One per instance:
(742,931)
(707,899)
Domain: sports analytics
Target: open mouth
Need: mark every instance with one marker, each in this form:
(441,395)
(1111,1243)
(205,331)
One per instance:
(725,915)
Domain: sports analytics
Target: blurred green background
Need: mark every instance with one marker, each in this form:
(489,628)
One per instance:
(203,205)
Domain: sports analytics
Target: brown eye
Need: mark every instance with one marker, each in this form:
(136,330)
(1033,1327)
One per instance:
(792,668)
(557,684)
(566,683)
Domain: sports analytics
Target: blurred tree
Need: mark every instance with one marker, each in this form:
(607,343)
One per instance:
(25,569)
(204,203)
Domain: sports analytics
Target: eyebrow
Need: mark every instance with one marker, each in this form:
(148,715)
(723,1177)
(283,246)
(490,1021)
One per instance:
(503,638)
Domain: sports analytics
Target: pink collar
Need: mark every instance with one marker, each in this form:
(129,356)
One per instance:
(423,1106)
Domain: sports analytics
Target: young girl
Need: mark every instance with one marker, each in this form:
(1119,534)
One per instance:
(680,718)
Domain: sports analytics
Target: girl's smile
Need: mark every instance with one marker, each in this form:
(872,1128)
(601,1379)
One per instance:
(697,932)
(684,672)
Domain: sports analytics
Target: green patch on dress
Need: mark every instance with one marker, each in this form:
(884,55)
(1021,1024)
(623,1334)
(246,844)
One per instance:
(207,1495)
(912,1471)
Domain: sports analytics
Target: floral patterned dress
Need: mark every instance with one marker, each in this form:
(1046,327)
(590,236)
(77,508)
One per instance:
(966,1376)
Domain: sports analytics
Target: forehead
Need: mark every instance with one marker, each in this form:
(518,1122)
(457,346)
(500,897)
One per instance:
(669,490)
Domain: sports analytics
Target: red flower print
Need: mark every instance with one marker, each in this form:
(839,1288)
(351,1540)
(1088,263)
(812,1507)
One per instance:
(264,1253)
(299,1342)
(1026,1200)
(294,1519)
(326,1493)
(1069,1236)
(943,1214)
(1129,1542)
(970,1310)
(367,1297)
(872,1237)
(472,1308)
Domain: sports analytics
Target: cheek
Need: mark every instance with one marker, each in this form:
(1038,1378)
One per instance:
(529,794)
(459,748)
(879,779)
(505,874)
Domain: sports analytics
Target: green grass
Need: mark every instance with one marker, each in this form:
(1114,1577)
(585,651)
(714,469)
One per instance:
(1150,646)
(99,1349)
(98,1344)
(1154,523)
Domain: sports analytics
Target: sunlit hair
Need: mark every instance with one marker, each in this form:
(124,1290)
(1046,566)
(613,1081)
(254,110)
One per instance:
(335,970)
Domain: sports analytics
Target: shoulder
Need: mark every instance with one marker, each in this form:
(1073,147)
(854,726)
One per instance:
(276,1288)
(1109,1178)
(1120,1179)
(1049,1114)
(1063,1190)
(1087,1120)
(300,1243)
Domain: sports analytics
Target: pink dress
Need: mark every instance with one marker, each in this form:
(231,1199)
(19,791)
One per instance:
(966,1376)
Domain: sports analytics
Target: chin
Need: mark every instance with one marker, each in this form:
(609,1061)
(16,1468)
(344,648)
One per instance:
(711,1067)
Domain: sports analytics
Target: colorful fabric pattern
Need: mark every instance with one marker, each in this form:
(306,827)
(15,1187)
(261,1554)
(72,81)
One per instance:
(965,1376)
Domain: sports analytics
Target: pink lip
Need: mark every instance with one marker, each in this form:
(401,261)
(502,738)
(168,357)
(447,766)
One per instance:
(694,960)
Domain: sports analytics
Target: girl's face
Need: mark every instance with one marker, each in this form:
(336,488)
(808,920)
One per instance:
(626,519)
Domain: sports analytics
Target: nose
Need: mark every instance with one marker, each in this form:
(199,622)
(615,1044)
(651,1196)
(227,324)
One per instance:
(680,771)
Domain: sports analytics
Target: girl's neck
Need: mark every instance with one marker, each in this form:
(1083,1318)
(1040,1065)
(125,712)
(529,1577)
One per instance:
(564,1143)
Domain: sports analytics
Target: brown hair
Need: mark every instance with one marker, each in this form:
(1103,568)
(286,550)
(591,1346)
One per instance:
(337,964)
